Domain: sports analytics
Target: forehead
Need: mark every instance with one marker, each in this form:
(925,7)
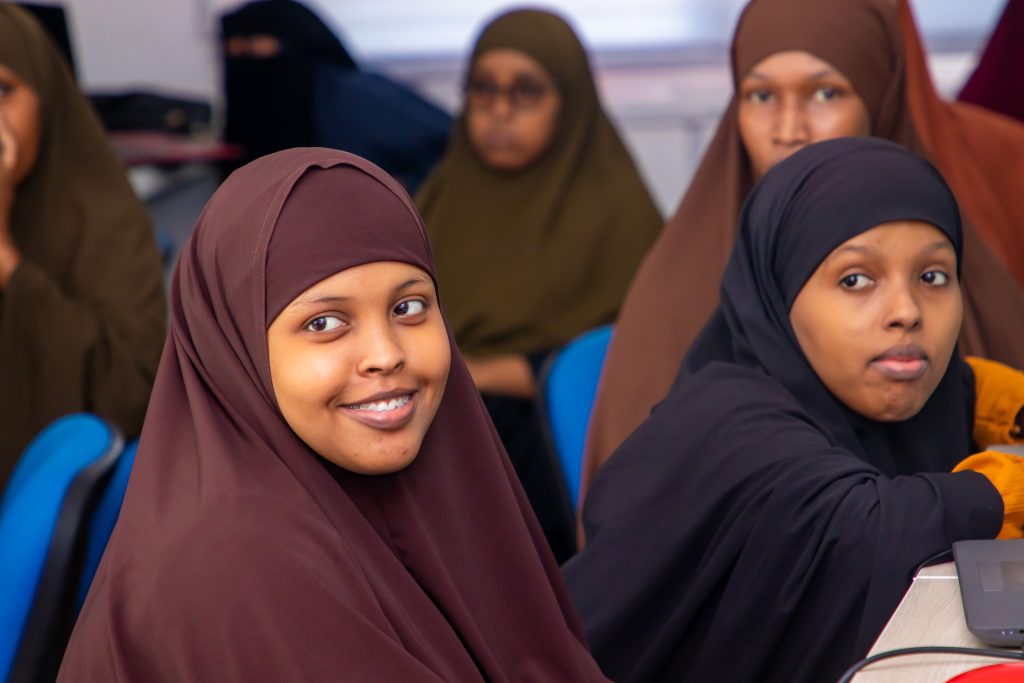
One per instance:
(367,281)
(792,65)
(509,63)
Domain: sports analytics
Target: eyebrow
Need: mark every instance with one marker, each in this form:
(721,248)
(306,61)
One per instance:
(857,249)
(334,299)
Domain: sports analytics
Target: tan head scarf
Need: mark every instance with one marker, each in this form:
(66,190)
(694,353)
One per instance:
(82,320)
(863,39)
(528,260)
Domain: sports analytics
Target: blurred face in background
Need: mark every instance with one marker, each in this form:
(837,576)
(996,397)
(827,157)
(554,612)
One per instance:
(19,125)
(512,109)
(792,99)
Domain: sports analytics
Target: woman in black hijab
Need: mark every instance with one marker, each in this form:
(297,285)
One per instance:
(765,521)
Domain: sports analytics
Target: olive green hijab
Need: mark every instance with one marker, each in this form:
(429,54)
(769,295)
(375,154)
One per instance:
(528,260)
(82,318)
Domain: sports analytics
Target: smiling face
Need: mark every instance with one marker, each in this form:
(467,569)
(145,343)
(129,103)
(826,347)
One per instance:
(512,109)
(879,318)
(792,99)
(19,109)
(359,363)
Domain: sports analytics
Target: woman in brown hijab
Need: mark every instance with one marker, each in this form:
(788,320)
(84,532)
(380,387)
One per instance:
(318,494)
(81,294)
(539,219)
(873,48)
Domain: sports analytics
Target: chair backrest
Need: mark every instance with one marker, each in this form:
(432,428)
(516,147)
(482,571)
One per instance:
(568,387)
(43,513)
(103,519)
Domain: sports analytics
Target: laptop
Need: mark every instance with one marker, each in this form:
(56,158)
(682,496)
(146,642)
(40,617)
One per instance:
(992,588)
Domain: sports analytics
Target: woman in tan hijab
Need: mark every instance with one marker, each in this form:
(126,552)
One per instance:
(860,71)
(539,218)
(81,292)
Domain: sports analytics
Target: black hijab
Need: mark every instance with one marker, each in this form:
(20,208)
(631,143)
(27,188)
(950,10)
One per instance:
(754,528)
(270,100)
(788,225)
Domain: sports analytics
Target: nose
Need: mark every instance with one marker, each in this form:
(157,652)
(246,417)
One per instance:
(501,106)
(380,350)
(903,311)
(791,128)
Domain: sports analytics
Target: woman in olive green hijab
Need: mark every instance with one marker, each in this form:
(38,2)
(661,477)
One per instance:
(538,218)
(81,294)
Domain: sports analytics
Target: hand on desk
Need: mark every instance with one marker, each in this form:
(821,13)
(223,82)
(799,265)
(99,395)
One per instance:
(1006,472)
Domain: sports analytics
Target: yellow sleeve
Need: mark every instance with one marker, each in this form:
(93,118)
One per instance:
(1000,396)
(1006,472)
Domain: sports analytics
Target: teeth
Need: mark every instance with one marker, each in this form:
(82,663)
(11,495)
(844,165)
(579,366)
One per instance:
(383,406)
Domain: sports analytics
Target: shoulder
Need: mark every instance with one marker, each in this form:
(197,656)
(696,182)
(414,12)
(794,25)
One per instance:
(728,396)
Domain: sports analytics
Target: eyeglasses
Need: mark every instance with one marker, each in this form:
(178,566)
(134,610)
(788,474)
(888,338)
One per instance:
(522,94)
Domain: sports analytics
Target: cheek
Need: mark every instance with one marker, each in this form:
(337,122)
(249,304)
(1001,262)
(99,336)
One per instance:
(23,117)
(756,138)
(476,124)
(830,333)
(848,119)
(306,378)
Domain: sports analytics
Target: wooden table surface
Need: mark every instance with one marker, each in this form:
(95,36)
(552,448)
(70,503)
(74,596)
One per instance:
(931,613)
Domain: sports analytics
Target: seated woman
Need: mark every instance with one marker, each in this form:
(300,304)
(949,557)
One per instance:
(321,97)
(766,519)
(859,71)
(539,218)
(82,312)
(318,493)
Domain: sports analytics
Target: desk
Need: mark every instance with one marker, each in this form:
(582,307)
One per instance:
(149,147)
(931,613)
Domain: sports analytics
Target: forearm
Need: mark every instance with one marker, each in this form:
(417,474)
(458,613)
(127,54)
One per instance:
(504,375)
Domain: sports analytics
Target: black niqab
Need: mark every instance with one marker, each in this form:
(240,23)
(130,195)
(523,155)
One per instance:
(270,99)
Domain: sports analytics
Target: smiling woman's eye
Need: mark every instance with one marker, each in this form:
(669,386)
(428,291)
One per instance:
(410,308)
(324,323)
(935,277)
(855,281)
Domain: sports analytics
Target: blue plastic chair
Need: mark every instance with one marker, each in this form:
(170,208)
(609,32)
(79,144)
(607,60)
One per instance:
(568,388)
(43,514)
(103,519)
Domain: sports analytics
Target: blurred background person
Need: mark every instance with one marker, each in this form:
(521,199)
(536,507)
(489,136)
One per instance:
(81,297)
(538,217)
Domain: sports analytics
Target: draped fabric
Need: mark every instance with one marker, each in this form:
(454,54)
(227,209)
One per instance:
(82,319)
(997,83)
(875,45)
(240,554)
(530,259)
(754,528)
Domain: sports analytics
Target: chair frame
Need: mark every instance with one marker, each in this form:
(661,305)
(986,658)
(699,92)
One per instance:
(51,615)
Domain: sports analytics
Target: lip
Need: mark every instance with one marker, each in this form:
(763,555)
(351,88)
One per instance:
(386,419)
(905,362)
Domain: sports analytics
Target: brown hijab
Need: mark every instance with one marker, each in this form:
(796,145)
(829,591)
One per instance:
(874,44)
(82,319)
(242,555)
(529,260)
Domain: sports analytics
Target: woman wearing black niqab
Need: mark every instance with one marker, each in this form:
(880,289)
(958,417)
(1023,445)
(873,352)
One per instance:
(755,527)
